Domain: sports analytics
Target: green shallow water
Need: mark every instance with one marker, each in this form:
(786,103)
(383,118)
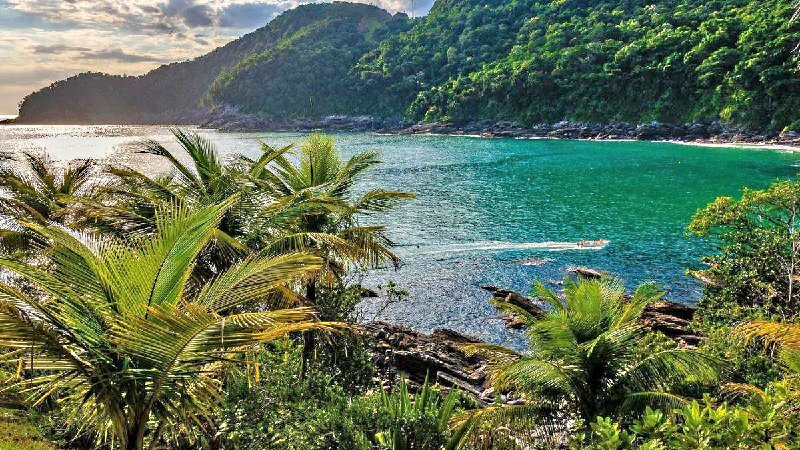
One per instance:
(485,205)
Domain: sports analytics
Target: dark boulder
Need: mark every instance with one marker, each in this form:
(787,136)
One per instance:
(585,272)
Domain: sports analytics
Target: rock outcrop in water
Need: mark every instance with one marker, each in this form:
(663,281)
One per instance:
(400,351)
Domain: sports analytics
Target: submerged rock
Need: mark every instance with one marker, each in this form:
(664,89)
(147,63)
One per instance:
(585,272)
(527,304)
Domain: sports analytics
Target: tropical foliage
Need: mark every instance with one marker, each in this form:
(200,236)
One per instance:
(766,421)
(36,190)
(321,183)
(279,404)
(587,357)
(755,271)
(609,61)
(162,312)
(112,326)
(421,421)
(307,73)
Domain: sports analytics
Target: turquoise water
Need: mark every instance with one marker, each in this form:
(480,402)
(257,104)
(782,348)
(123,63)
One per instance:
(485,205)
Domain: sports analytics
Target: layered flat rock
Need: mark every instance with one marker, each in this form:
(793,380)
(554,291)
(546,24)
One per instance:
(398,350)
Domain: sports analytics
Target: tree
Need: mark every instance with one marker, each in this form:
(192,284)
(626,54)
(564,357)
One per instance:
(36,190)
(115,330)
(315,201)
(588,356)
(130,203)
(315,206)
(757,267)
(205,181)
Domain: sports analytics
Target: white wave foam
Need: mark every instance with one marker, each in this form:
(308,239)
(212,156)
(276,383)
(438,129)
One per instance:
(548,246)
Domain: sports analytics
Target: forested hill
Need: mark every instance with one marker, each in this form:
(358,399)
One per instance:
(173,93)
(521,60)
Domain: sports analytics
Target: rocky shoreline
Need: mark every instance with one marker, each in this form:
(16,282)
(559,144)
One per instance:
(398,350)
(230,120)
(699,133)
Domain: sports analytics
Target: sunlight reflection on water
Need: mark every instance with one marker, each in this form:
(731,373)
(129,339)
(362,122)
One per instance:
(486,207)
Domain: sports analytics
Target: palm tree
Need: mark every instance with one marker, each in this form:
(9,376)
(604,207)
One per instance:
(283,205)
(130,202)
(315,199)
(586,358)
(784,341)
(112,326)
(205,181)
(315,203)
(34,189)
(784,335)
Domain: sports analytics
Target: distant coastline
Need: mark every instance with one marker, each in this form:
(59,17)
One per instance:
(714,133)
(704,134)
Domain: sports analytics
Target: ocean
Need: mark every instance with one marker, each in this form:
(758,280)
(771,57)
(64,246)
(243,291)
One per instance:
(499,212)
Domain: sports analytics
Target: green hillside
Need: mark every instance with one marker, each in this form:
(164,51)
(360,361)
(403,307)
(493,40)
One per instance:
(521,60)
(636,61)
(308,73)
(173,93)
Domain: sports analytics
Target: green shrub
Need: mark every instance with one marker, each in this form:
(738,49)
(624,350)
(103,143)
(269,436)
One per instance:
(273,406)
(769,420)
(17,432)
(421,421)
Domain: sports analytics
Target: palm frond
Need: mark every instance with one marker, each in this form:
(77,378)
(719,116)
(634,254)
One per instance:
(773,333)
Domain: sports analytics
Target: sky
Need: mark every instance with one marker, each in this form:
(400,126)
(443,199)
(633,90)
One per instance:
(42,41)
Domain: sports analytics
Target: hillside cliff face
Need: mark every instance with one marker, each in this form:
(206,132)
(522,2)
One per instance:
(524,61)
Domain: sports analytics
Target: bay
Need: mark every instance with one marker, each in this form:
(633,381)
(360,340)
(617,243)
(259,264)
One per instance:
(488,210)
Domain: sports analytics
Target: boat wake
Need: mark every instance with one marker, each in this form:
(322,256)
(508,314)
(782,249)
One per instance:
(548,246)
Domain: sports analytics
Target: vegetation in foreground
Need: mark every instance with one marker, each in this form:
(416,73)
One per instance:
(209,308)
(18,433)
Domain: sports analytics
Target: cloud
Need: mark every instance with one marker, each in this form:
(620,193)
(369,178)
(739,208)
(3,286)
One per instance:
(57,49)
(247,15)
(189,12)
(27,76)
(118,55)
(164,16)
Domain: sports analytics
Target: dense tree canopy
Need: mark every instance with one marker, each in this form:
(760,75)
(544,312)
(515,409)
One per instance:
(637,61)
(522,60)
(307,74)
